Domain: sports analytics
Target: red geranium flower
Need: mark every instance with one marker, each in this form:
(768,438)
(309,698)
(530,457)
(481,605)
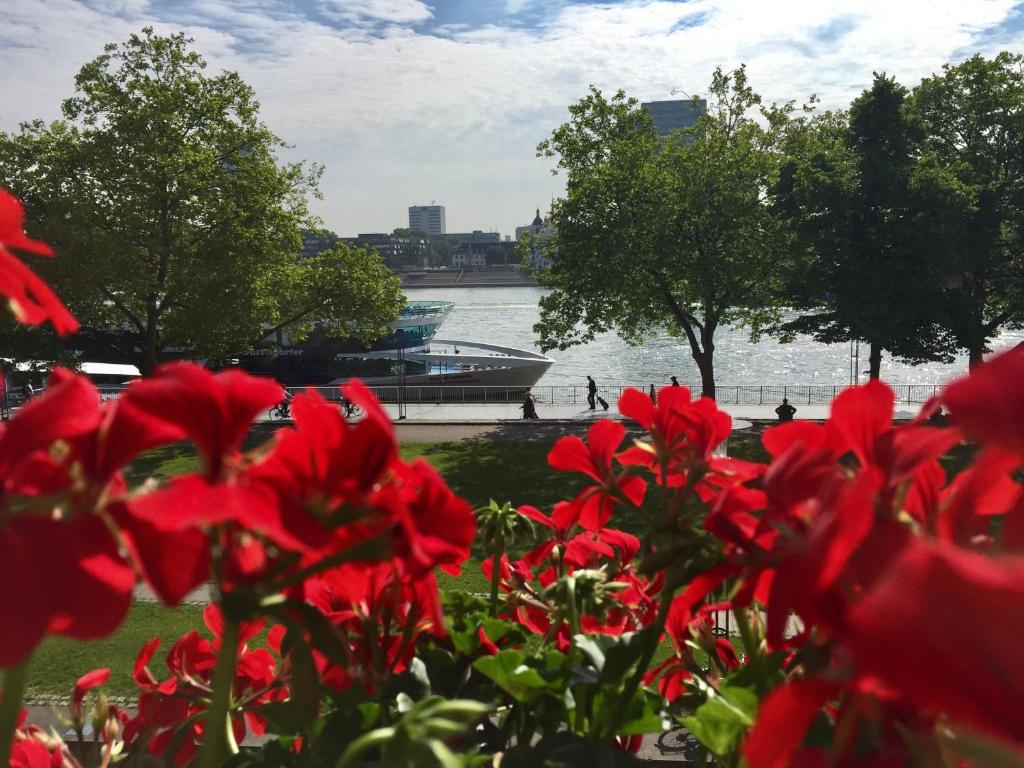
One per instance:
(988,405)
(83,685)
(165,706)
(29,297)
(215,411)
(327,470)
(941,627)
(433,526)
(47,545)
(592,507)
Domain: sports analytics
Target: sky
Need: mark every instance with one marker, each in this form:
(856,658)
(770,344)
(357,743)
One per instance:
(407,102)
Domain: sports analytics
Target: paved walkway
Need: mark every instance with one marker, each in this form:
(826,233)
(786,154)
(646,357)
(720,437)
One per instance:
(503,413)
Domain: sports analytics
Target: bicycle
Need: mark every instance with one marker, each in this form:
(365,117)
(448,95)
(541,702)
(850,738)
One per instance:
(282,410)
(349,409)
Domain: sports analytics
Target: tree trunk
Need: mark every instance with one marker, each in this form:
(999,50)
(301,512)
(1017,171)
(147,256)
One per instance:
(706,366)
(976,348)
(706,361)
(148,362)
(874,360)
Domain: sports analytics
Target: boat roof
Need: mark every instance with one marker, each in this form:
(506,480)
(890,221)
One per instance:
(109,369)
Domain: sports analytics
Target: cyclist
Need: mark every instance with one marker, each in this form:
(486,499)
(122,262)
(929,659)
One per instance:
(283,410)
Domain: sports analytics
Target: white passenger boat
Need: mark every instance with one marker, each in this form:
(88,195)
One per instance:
(410,358)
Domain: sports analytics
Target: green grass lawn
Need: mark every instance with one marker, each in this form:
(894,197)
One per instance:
(59,661)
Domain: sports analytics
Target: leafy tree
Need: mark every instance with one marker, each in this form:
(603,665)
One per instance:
(654,234)
(441,251)
(173,219)
(973,179)
(340,292)
(861,269)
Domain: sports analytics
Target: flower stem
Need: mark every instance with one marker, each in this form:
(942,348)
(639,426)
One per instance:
(217,735)
(656,629)
(752,649)
(499,550)
(10,706)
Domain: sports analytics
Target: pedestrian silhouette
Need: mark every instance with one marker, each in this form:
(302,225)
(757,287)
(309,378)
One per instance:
(675,381)
(785,411)
(653,395)
(591,393)
(529,406)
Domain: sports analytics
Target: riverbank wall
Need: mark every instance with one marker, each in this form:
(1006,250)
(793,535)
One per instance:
(468,279)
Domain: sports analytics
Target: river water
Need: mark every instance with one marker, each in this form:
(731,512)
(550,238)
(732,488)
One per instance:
(507,315)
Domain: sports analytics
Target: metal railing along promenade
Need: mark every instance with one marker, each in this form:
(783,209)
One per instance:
(561,394)
(564,394)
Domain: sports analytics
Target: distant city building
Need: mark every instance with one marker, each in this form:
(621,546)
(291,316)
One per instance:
(398,251)
(427,218)
(673,115)
(536,232)
(499,254)
(476,237)
(315,242)
(468,257)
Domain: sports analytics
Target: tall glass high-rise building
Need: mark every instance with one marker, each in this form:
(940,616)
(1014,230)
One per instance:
(672,115)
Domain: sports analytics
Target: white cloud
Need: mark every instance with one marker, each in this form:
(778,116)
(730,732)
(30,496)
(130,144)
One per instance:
(401,117)
(393,11)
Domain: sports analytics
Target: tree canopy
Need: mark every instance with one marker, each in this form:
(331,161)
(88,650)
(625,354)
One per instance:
(972,119)
(664,233)
(862,270)
(175,221)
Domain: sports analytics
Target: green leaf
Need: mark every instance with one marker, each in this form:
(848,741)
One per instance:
(721,721)
(645,713)
(509,670)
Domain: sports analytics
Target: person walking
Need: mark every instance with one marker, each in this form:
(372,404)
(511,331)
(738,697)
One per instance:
(529,406)
(592,393)
(675,381)
(785,411)
(653,395)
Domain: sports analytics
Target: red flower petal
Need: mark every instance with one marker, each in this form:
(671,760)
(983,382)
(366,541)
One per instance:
(593,458)
(21,553)
(30,298)
(12,227)
(215,411)
(67,408)
(859,415)
(87,682)
(488,647)
(635,405)
(536,515)
(942,627)
(985,488)
(171,577)
(988,405)
(782,720)
(808,435)
(90,584)
(140,672)
(29,753)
